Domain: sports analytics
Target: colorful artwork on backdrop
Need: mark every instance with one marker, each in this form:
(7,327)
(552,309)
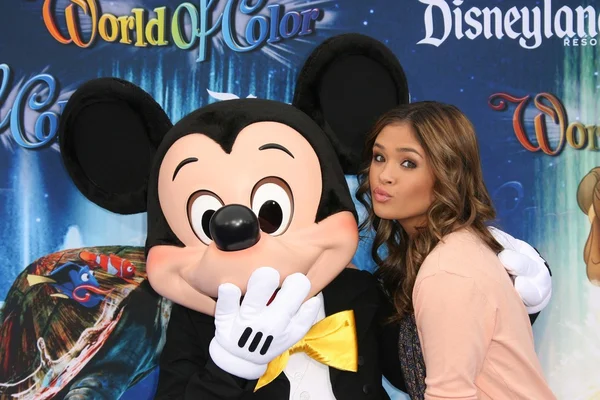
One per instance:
(526,74)
(272,24)
(69,317)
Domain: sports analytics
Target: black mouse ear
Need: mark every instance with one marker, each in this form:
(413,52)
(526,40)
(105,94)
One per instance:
(109,132)
(345,85)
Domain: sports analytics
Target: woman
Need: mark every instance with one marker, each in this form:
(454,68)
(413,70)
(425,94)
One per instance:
(452,295)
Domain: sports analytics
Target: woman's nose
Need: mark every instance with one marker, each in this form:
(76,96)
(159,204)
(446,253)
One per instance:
(385,176)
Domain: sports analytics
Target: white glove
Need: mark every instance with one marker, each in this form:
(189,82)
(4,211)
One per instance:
(249,336)
(523,262)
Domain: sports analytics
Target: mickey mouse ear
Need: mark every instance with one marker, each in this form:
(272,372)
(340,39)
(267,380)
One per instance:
(345,85)
(108,135)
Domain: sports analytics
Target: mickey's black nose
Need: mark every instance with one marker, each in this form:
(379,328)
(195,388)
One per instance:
(234,227)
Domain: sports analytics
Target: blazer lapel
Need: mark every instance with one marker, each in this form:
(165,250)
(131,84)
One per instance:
(344,293)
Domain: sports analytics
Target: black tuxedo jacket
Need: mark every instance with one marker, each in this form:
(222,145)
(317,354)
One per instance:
(188,372)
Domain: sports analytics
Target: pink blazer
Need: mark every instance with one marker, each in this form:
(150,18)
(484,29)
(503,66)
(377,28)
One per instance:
(474,330)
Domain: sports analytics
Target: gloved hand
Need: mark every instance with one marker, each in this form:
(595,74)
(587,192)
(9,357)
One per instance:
(249,336)
(531,275)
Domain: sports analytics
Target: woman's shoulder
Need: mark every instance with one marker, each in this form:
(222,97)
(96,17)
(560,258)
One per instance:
(461,253)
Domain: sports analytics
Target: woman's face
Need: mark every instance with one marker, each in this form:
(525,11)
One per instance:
(400,177)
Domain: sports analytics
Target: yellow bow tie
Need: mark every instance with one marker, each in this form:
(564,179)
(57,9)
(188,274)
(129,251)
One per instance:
(331,341)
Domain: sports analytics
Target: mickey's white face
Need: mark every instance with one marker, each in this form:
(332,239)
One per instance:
(251,208)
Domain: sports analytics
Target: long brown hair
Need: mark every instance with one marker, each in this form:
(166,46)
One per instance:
(461,199)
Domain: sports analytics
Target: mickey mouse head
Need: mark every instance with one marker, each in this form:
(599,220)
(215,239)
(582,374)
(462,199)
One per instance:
(239,184)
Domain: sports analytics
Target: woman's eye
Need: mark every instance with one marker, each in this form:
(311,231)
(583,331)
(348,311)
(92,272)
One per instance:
(409,164)
(378,158)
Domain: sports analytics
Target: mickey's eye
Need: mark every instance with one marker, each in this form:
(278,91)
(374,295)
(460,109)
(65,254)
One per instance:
(273,203)
(201,207)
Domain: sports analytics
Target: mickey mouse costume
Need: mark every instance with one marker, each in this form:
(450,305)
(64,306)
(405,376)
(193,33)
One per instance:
(248,198)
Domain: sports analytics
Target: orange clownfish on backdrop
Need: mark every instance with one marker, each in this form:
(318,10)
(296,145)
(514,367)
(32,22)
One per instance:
(112,264)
